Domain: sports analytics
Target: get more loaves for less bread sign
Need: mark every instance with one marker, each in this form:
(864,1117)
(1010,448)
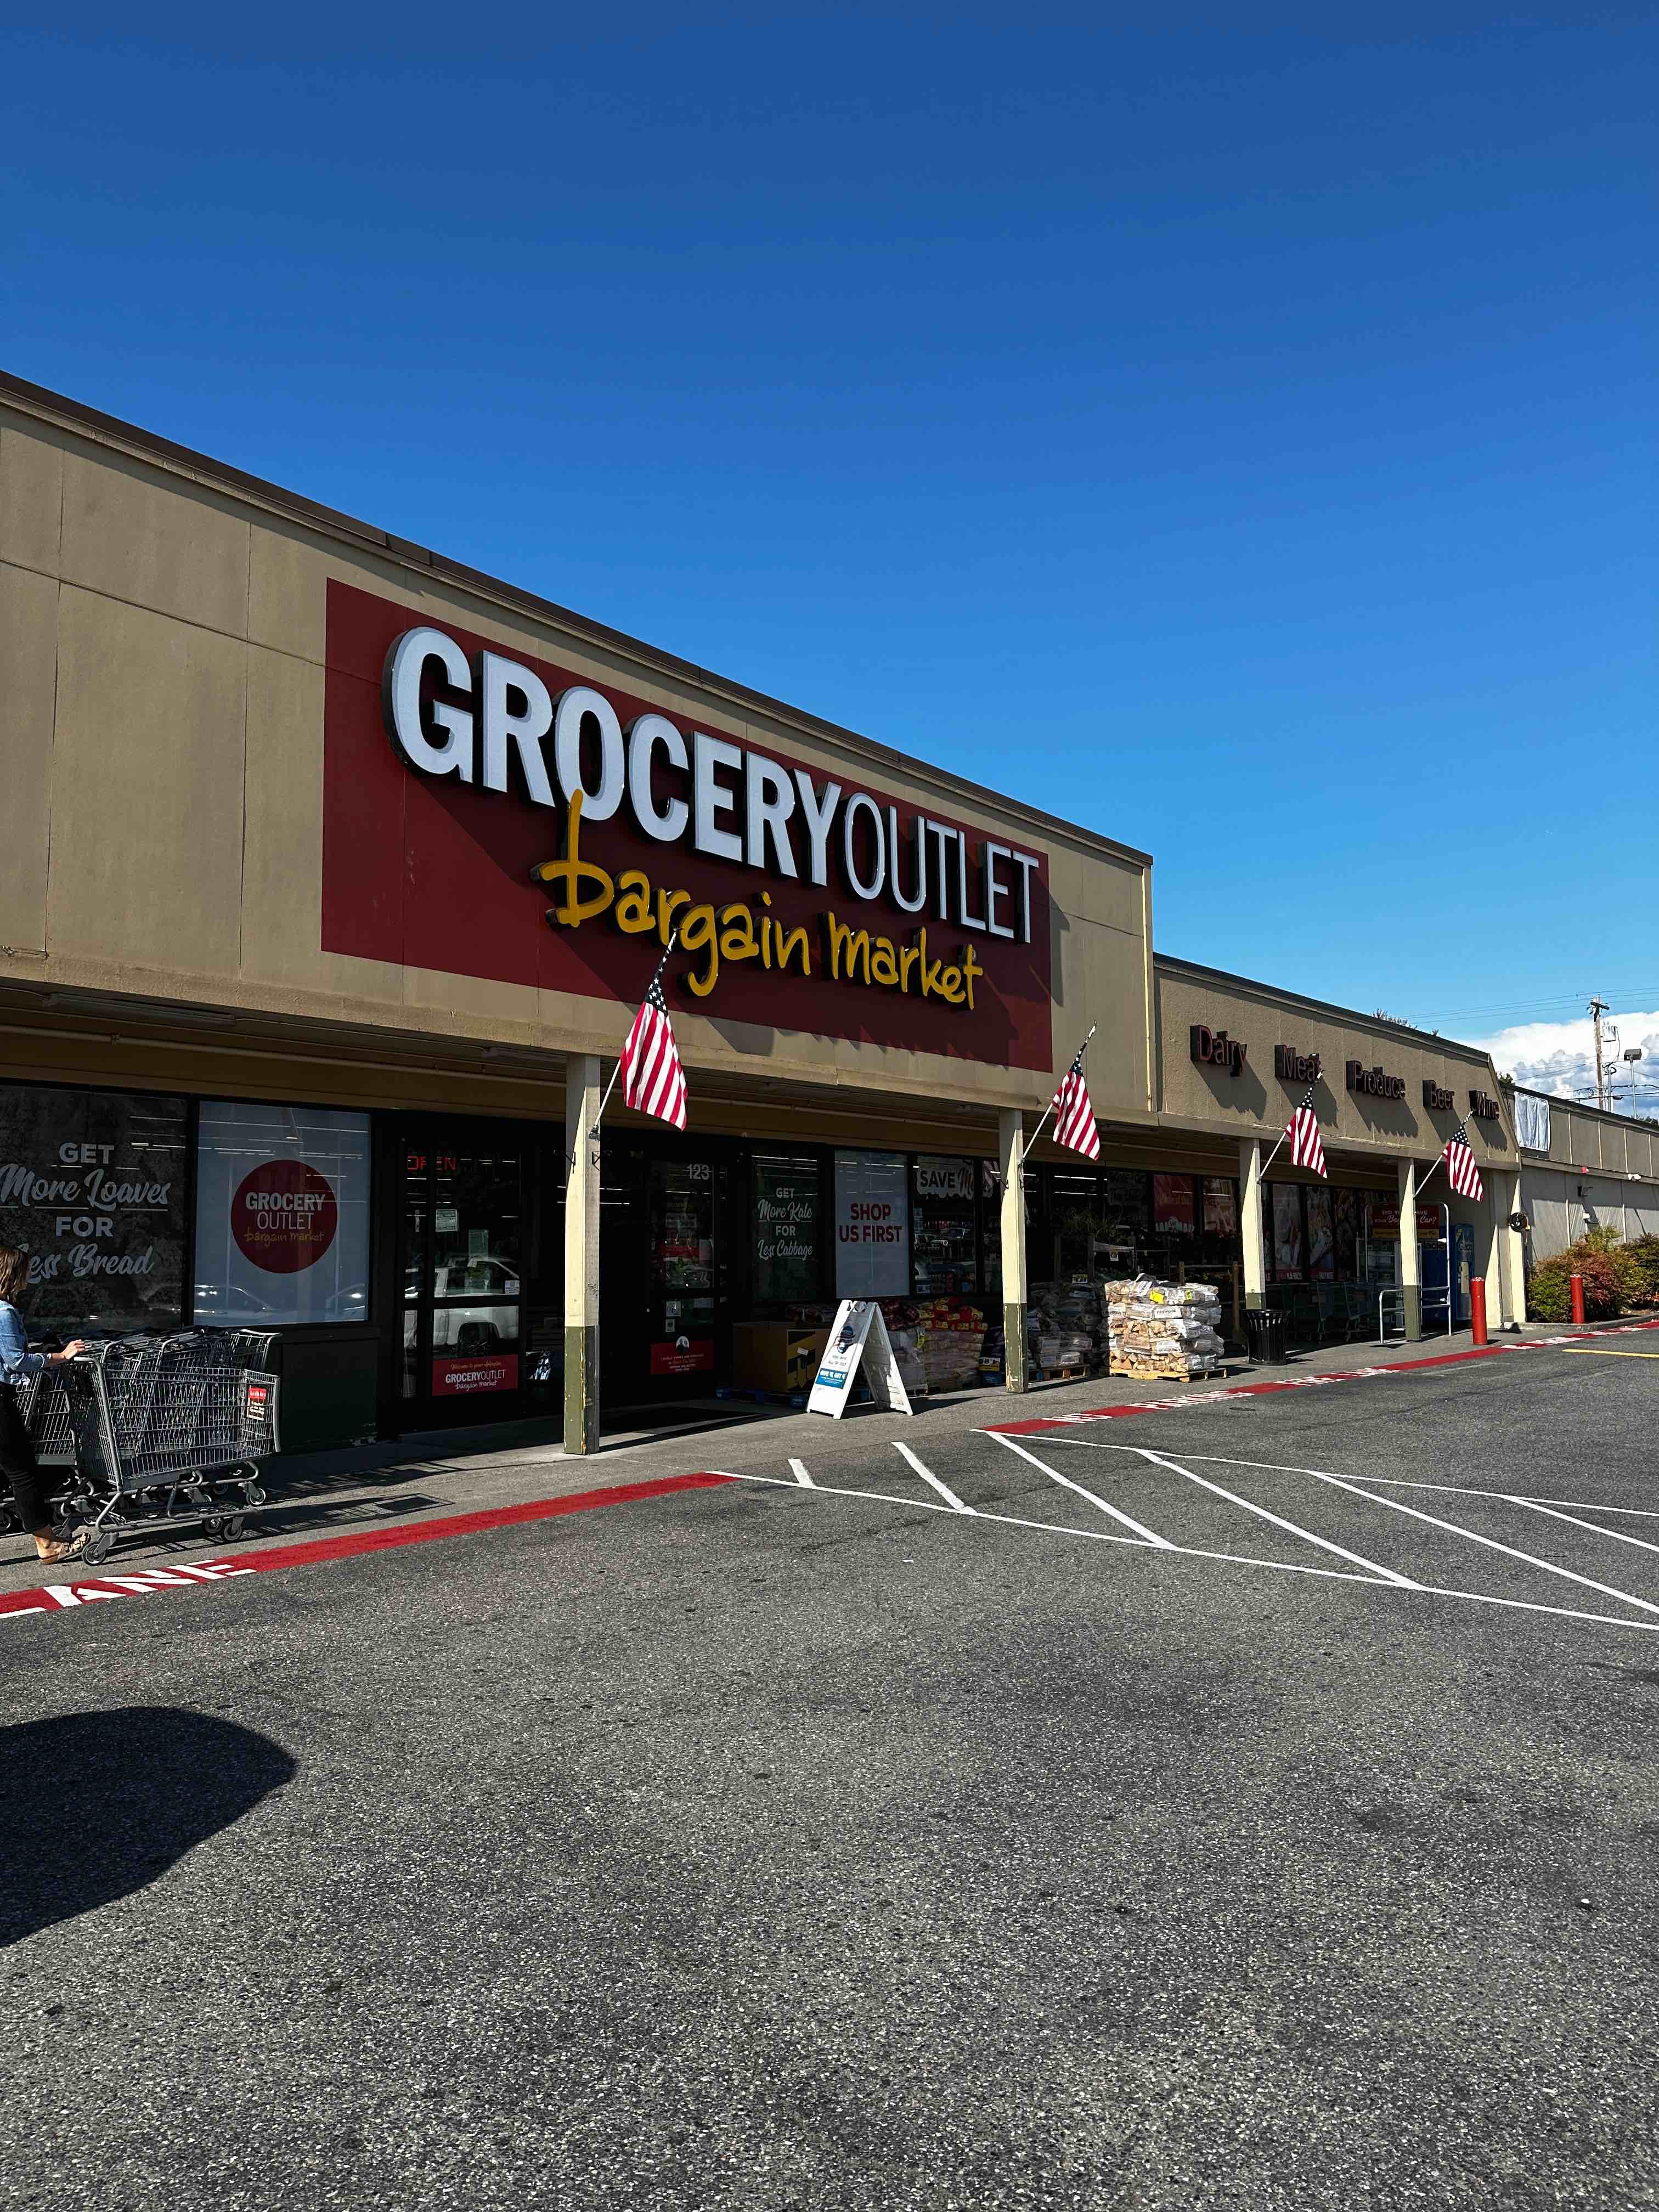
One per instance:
(486,813)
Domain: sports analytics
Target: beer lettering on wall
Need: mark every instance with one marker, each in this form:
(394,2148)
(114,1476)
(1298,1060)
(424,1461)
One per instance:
(464,785)
(1436,1096)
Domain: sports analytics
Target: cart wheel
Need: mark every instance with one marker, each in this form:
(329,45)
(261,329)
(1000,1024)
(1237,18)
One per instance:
(256,1495)
(232,1527)
(214,1525)
(97,1549)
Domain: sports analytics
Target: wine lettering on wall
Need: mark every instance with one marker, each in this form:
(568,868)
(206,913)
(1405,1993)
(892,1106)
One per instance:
(92,1186)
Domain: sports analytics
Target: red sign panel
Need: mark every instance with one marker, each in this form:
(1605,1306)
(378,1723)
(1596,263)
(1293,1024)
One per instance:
(695,1356)
(430,872)
(283,1216)
(459,1376)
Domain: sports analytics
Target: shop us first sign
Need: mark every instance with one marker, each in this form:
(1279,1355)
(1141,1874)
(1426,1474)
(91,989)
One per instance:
(491,814)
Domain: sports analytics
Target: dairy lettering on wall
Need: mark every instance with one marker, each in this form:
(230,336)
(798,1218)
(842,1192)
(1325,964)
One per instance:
(92,1186)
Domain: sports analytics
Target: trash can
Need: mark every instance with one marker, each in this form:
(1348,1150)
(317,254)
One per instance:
(1265,1328)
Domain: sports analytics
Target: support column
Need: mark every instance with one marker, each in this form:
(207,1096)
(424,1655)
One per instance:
(1411,1268)
(1511,1246)
(1252,1227)
(582,1253)
(1011,1154)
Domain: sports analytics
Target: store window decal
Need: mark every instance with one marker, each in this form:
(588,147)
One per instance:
(93,1187)
(282,1215)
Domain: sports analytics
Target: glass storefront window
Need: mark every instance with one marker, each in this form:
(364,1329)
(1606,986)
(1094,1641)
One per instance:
(681,1318)
(787,1228)
(93,1187)
(476,1218)
(872,1225)
(1125,1220)
(1288,1248)
(944,1228)
(282,1215)
(1321,1235)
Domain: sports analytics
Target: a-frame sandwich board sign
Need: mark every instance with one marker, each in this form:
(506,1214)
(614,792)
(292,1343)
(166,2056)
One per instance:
(859,1338)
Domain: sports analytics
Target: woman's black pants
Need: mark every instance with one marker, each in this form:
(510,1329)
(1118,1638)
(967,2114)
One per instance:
(32,1489)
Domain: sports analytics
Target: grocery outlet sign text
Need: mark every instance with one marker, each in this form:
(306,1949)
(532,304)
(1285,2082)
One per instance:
(510,776)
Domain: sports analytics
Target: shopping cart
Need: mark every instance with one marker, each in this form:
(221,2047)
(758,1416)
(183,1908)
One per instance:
(168,1429)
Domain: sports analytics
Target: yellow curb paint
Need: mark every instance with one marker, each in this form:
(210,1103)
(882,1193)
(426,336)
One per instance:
(1596,1352)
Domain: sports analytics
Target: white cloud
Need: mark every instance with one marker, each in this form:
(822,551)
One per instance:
(1559,1057)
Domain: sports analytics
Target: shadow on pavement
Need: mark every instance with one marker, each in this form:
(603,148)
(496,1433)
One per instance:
(94,1806)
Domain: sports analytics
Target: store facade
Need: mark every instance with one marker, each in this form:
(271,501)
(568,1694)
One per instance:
(336,870)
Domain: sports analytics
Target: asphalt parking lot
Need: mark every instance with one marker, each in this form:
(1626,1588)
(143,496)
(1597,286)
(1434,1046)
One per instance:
(1251,1803)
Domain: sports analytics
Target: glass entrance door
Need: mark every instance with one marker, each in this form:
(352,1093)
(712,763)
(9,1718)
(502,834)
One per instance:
(463,1247)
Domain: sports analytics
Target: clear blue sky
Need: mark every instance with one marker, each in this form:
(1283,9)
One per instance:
(1240,440)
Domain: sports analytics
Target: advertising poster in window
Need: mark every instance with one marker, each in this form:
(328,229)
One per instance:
(1172,1205)
(91,1186)
(872,1226)
(282,1215)
(788,1206)
(944,1228)
(1287,1233)
(1321,1248)
(1220,1207)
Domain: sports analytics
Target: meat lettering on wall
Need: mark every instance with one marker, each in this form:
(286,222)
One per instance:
(92,1186)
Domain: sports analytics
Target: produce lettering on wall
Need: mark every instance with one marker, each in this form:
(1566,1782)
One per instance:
(464,785)
(92,1186)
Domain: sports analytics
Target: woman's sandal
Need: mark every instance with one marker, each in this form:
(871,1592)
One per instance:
(61,1554)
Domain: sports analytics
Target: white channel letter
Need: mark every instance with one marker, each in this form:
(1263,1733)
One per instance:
(872,890)
(819,814)
(1028,865)
(941,836)
(969,921)
(648,733)
(771,802)
(894,844)
(995,890)
(497,680)
(400,702)
(712,800)
(581,700)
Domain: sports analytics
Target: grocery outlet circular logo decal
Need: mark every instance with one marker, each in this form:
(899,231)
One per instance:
(284,1217)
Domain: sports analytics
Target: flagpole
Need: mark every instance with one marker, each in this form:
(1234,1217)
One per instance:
(570,1163)
(1273,1155)
(1050,1108)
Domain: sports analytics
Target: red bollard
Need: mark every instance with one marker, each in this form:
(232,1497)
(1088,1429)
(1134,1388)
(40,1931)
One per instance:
(1578,1299)
(1478,1309)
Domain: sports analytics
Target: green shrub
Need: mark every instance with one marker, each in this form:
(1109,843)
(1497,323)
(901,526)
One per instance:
(1642,1253)
(1549,1293)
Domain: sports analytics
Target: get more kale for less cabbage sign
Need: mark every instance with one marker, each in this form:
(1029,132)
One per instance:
(92,1186)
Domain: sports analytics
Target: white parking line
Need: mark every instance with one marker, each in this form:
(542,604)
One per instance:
(1594,1526)
(1384,1574)
(1395,1505)
(799,1471)
(1387,1482)
(1147,1535)
(987,1519)
(932,1479)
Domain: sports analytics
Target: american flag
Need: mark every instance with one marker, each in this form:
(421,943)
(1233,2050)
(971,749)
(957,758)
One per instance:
(1074,1116)
(1461,1172)
(1306,1148)
(653,1082)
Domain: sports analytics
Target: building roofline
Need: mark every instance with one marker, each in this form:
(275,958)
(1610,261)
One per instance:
(40,400)
(1431,1038)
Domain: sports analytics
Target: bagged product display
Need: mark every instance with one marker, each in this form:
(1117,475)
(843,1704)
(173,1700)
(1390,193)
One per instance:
(1163,1332)
(1069,1325)
(950,1334)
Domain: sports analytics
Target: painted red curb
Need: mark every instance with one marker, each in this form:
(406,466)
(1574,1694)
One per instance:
(271,1558)
(1039,1424)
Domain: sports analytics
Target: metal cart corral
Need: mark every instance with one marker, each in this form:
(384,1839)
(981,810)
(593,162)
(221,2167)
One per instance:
(170,1429)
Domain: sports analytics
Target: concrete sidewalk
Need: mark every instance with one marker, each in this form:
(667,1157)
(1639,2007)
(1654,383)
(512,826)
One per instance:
(417,1477)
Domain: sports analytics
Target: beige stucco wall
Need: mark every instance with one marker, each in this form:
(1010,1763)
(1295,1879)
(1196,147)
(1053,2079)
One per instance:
(1257,1101)
(163,635)
(1581,1139)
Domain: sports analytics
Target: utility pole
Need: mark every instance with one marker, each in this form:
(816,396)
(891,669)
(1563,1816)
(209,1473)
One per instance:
(1598,1008)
